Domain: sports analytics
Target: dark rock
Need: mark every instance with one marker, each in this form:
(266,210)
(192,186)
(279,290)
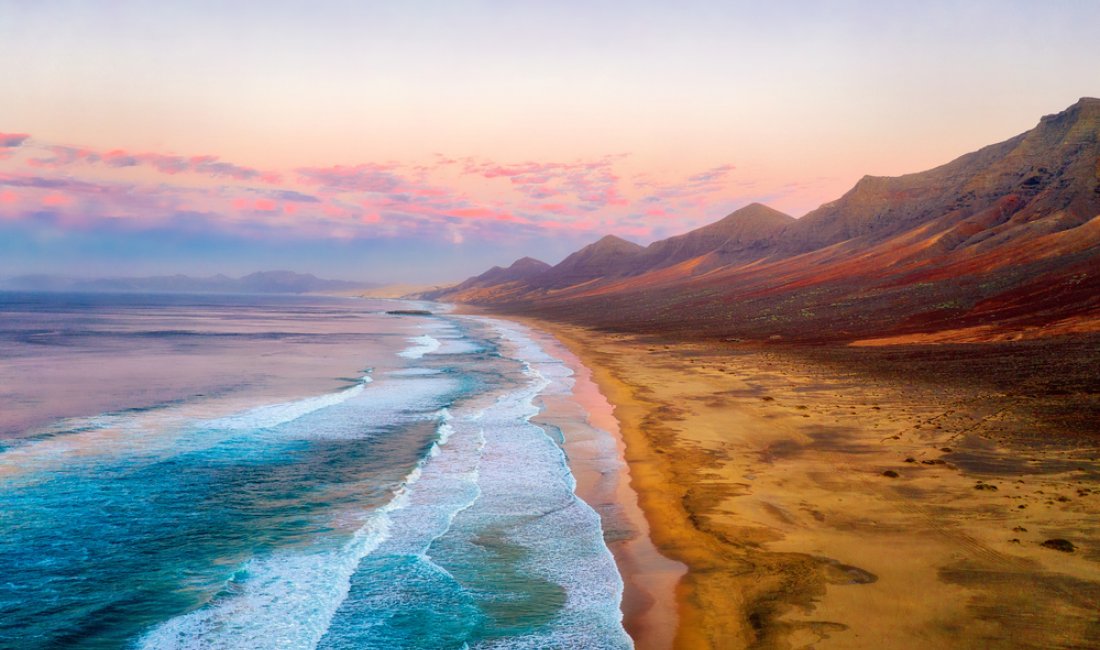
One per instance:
(890,473)
(1057,544)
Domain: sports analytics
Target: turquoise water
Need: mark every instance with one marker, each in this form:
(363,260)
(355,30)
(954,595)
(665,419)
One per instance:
(411,505)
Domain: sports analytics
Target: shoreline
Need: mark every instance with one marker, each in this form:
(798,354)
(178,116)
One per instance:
(835,503)
(646,478)
(650,579)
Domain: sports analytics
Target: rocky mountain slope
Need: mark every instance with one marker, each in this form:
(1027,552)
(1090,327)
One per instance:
(1002,242)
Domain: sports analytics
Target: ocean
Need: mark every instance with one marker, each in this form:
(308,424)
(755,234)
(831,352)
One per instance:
(287,472)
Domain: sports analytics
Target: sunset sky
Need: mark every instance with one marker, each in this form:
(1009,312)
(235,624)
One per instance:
(426,141)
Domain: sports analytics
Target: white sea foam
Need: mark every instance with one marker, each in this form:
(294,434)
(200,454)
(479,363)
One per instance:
(273,415)
(286,600)
(177,432)
(414,372)
(422,345)
(488,467)
(565,543)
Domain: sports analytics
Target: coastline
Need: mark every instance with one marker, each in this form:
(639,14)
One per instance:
(650,612)
(782,484)
(667,526)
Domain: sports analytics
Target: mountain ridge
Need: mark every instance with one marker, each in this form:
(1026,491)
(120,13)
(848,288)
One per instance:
(892,256)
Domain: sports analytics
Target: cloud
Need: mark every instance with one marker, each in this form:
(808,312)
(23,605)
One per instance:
(696,185)
(593,185)
(214,167)
(60,156)
(435,199)
(40,182)
(12,140)
(291,195)
(710,176)
(368,177)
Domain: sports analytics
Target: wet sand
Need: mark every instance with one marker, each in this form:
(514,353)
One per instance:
(650,613)
(818,506)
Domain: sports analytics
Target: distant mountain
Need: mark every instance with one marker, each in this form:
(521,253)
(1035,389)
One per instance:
(262,282)
(608,257)
(742,235)
(496,283)
(1002,240)
(522,269)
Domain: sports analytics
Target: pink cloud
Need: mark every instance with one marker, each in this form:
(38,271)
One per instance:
(438,197)
(61,156)
(486,213)
(707,182)
(56,200)
(12,140)
(171,164)
(369,177)
(265,205)
(119,158)
(592,184)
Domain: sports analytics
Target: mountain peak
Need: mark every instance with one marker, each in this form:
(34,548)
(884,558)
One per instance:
(611,242)
(522,269)
(528,263)
(756,212)
(609,257)
(738,236)
(1084,114)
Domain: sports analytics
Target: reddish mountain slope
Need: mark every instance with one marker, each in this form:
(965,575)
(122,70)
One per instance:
(1005,238)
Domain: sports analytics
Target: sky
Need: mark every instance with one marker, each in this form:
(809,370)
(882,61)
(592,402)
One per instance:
(423,142)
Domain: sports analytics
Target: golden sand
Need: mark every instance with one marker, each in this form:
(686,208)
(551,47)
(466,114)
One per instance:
(767,478)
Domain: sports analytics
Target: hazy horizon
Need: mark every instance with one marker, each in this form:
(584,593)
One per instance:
(397,144)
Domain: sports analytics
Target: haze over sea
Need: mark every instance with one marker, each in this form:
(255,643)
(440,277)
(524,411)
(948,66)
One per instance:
(257,472)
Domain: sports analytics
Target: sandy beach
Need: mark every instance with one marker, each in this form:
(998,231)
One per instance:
(817,504)
(650,611)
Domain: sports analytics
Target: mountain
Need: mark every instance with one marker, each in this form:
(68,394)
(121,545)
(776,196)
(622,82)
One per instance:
(1002,242)
(262,282)
(609,257)
(741,236)
(522,269)
(290,282)
(1047,172)
(493,284)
